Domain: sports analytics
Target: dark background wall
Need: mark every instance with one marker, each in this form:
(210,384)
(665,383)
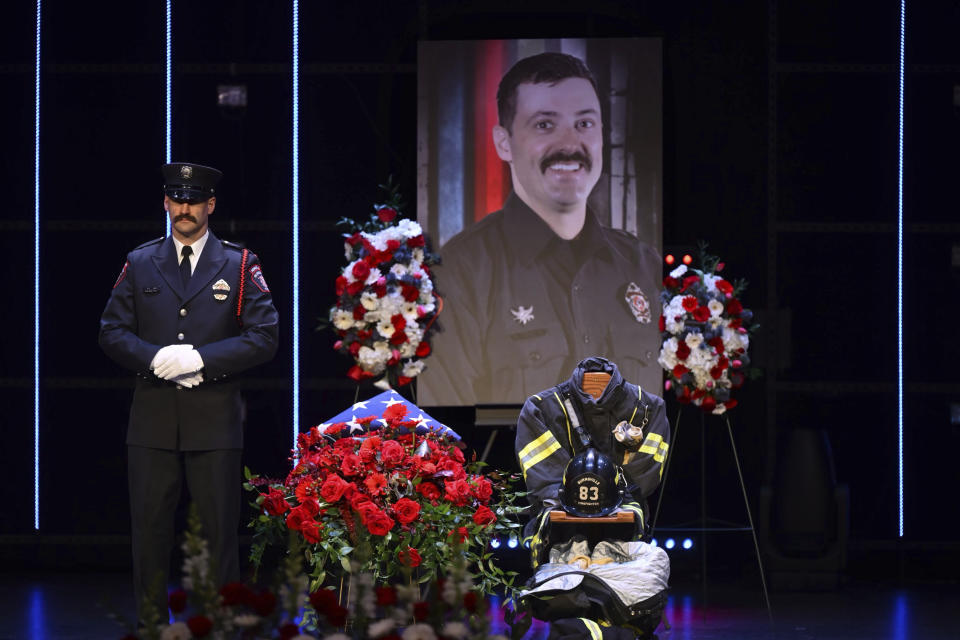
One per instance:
(780,150)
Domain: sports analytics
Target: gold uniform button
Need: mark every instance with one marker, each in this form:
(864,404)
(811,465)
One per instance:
(183,312)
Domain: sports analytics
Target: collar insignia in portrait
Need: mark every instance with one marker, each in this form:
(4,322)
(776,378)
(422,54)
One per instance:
(221,289)
(638,303)
(186,172)
(256,275)
(522,314)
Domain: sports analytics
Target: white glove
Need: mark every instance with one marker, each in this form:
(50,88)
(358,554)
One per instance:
(189,380)
(182,361)
(166,353)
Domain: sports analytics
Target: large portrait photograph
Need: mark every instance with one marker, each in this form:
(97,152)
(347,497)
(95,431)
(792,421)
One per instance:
(540,186)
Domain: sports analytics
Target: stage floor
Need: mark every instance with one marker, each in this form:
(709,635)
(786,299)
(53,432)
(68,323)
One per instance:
(76,606)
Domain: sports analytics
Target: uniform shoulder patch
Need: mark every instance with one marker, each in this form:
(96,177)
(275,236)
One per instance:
(150,243)
(256,276)
(231,245)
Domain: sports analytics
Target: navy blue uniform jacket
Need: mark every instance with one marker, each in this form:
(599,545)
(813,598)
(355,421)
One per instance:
(148,309)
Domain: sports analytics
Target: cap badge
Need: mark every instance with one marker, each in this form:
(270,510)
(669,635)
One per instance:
(186,172)
(221,289)
(638,303)
(523,314)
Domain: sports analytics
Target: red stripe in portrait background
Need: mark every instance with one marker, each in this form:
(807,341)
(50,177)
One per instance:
(491,175)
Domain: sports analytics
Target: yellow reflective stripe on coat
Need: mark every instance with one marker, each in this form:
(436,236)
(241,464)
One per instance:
(655,446)
(593,628)
(538,539)
(536,451)
(637,511)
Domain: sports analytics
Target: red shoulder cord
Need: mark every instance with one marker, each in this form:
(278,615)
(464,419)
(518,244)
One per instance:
(243,279)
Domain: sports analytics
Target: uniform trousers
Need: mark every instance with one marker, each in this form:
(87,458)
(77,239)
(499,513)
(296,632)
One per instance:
(155,481)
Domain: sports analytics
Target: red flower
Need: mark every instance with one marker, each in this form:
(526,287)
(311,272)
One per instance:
(340,285)
(386,596)
(274,503)
(398,338)
(409,557)
(701,314)
(392,453)
(406,510)
(459,535)
(352,465)
(177,600)
(688,282)
(423,349)
(322,600)
(470,601)
(378,523)
(690,303)
(730,404)
(683,395)
(709,404)
(724,287)
(337,616)
(683,350)
(263,603)
(429,491)
(484,516)
(670,283)
(394,413)
(457,491)
(454,467)
(679,370)
(356,373)
(482,489)
(288,630)
(359,312)
(375,483)
(310,531)
(200,626)
(360,271)
(421,610)
(296,518)
(333,488)
(234,593)
(662,323)
(386,214)
(416,241)
(717,343)
(734,307)
(410,292)
(398,321)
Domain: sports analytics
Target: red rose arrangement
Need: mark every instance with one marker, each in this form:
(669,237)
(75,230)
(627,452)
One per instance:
(385,308)
(705,333)
(385,502)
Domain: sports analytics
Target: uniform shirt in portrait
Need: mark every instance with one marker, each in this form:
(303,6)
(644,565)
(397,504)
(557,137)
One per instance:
(522,307)
(197,248)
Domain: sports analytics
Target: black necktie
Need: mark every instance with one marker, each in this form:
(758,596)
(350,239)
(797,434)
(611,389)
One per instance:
(185,265)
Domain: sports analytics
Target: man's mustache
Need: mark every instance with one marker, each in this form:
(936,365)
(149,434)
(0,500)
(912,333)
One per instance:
(567,156)
(185,216)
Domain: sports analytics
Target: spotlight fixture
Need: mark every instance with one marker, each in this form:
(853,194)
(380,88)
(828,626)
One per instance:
(670,543)
(687,543)
(669,259)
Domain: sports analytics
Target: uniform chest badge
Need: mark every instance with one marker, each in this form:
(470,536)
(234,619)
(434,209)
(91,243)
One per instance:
(522,314)
(638,303)
(221,290)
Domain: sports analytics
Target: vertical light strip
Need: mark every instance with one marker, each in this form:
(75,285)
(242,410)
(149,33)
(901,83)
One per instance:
(169,94)
(903,15)
(36,281)
(296,222)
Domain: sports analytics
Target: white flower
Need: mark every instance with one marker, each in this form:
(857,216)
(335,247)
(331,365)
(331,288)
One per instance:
(455,630)
(716,307)
(348,251)
(668,354)
(373,360)
(176,631)
(418,254)
(733,340)
(373,277)
(386,329)
(398,270)
(715,322)
(413,369)
(419,632)
(710,281)
(409,229)
(381,627)
(342,319)
(719,409)
(679,271)
(246,620)
(694,339)
(369,300)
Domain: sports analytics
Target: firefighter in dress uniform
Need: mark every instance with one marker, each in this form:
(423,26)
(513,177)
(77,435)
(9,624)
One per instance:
(187,314)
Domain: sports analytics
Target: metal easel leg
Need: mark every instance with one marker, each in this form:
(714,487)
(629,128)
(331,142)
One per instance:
(753,531)
(674,436)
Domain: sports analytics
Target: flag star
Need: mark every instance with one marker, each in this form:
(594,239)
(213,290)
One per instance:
(392,401)
(354,425)
(360,405)
(421,419)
